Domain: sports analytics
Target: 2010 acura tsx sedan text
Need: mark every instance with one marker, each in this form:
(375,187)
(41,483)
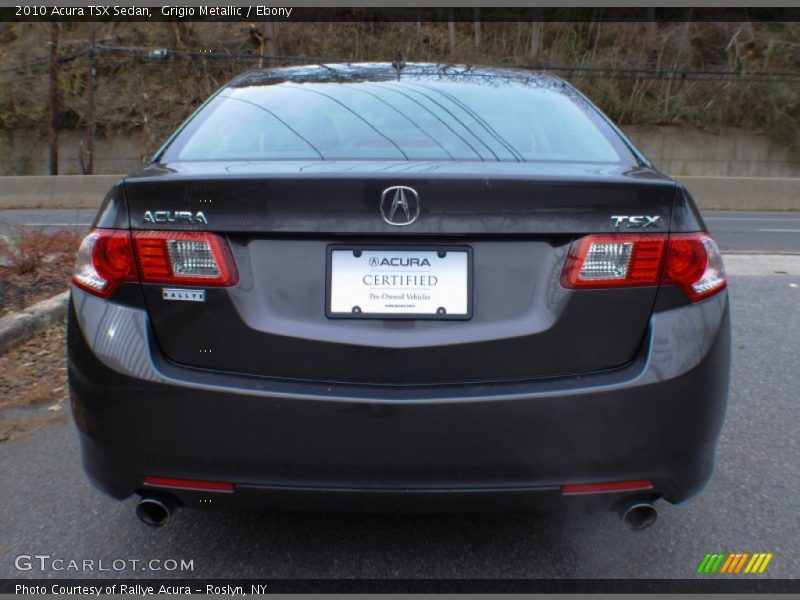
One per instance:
(356,287)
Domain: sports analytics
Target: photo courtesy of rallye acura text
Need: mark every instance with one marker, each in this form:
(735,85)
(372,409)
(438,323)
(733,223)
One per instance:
(351,287)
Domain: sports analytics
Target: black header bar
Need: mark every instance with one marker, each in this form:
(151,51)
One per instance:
(146,12)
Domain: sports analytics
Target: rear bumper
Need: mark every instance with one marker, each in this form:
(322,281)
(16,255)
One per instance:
(480,447)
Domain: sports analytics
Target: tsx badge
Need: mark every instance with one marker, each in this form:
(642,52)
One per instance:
(635,221)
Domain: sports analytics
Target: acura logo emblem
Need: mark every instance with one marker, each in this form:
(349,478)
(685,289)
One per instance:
(400,205)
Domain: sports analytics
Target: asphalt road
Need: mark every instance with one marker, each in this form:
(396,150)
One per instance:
(734,231)
(755,231)
(751,505)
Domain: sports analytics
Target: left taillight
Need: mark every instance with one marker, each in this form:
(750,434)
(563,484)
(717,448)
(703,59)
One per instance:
(691,261)
(105,259)
(108,257)
(185,258)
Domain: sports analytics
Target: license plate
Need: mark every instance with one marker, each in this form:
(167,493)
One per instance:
(399,283)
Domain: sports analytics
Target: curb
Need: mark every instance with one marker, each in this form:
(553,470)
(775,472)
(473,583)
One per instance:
(20,326)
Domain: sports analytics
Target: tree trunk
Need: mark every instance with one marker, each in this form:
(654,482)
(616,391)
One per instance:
(269,34)
(90,125)
(53,120)
(651,21)
(477,28)
(536,40)
(451,26)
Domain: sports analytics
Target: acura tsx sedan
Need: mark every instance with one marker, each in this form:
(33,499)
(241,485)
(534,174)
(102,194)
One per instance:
(373,288)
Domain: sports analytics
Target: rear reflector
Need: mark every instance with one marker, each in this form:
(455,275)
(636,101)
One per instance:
(189,484)
(691,261)
(612,486)
(108,257)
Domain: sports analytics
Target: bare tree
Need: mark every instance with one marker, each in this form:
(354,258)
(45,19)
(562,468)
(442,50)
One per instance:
(257,38)
(536,39)
(477,43)
(53,106)
(451,27)
(651,21)
(269,40)
(90,124)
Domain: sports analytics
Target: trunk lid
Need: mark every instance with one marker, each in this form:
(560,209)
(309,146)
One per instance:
(517,220)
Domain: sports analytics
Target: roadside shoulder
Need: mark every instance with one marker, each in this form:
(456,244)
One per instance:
(761,264)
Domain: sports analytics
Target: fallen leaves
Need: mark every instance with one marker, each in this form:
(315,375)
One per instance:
(33,383)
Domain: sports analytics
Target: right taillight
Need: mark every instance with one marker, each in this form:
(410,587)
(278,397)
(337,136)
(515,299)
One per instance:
(108,257)
(691,261)
(694,264)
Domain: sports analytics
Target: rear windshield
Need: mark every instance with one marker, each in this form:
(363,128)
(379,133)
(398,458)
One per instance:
(398,120)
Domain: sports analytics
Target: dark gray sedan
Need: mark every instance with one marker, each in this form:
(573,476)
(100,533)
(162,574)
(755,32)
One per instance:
(352,287)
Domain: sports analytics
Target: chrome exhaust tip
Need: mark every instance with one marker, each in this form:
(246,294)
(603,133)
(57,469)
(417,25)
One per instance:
(639,516)
(156,511)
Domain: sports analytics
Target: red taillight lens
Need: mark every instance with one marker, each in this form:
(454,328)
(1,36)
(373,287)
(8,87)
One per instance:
(106,258)
(691,261)
(694,263)
(184,258)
